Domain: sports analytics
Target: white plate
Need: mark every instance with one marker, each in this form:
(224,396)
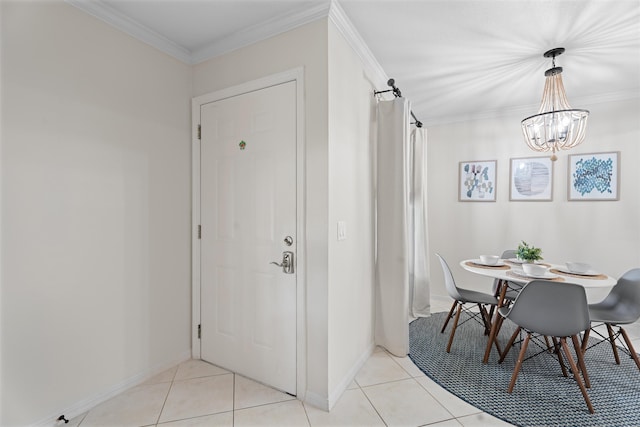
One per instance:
(520,272)
(586,273)
(500,263)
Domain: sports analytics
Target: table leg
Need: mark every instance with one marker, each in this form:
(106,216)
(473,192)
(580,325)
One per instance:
(495,323)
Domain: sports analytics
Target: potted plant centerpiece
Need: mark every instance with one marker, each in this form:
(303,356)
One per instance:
(528,254)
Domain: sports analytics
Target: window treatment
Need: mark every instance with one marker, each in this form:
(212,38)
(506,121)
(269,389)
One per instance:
(401,254)
(420,301)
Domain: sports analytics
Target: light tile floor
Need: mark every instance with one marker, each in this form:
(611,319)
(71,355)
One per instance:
(388,391)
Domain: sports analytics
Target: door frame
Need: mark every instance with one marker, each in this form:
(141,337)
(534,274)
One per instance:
(297,75)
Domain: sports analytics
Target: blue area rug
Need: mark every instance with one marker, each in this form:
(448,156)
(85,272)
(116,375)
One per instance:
(542,396)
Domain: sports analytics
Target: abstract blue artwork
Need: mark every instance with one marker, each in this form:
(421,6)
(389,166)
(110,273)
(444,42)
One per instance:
(593,176)
(477,181)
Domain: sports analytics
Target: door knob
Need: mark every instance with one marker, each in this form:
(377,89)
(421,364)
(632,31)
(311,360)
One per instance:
(287,262)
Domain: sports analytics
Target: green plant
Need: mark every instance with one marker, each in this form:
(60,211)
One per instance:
(528,253)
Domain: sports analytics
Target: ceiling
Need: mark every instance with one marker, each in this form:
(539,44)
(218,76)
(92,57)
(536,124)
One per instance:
(453,59)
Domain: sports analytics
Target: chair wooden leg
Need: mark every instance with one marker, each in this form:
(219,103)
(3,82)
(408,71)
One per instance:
(495,341)
(510,344)
(630,347)
(453,328)
(581,364)
(585,340)
(558,351)
(446,322)
(516,369)
(576,374)
(612,340)
(495,324)
(483,314)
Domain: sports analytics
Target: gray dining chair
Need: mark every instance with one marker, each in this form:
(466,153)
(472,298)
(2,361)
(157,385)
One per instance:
(620,307)
(554,309)
(461,297)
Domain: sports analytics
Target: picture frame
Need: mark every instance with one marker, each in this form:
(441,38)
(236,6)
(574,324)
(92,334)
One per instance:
(477,181)
(594,176)
(531,179)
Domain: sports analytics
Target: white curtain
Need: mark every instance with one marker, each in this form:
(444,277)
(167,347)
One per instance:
(401,254)
(420,302)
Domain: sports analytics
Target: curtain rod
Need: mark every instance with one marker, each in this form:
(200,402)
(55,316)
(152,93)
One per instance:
(396,92)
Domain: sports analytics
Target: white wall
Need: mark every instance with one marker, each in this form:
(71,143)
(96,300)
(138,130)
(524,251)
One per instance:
(305,46)
(604,233)
(351,261)
(95,174)
(338,108)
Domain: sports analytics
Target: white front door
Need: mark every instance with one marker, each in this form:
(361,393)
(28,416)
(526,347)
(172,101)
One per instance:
(248,216)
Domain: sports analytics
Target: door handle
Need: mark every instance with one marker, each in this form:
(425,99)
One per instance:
(287,262)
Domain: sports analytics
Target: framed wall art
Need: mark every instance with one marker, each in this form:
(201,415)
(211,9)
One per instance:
(594,176)
(531,179)
(477,181)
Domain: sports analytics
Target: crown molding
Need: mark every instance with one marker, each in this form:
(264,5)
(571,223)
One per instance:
(262,31)
(237,40)
(243,38)
(373,69)
(116,19)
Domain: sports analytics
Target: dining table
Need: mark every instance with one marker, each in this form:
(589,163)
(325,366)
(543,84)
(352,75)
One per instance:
(508,271)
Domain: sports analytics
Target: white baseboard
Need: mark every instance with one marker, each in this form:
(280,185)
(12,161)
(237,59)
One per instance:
(327,403)
(84,405)
(316,400)
(340,388)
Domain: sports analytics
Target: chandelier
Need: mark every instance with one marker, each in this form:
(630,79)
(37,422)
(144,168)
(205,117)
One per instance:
(556,126)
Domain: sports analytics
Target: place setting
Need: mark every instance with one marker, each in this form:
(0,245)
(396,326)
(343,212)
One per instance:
(488,261)
(580,270)
(534,271)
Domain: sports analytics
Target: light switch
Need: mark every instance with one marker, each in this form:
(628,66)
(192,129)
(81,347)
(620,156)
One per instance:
(342,230)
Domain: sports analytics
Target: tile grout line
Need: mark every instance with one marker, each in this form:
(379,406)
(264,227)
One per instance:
(173,378)
(233,401)
(425,389)
(371,403)
(165,401)
(306,414)
(453,417)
